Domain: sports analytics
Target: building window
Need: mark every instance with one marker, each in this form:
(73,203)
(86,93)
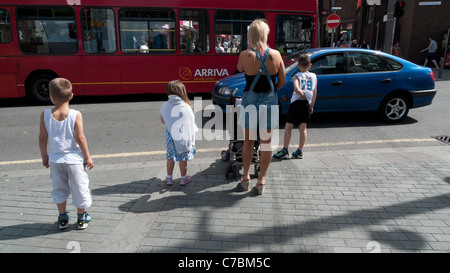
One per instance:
(368,18)
(99,30)
(147,31)
(47,30)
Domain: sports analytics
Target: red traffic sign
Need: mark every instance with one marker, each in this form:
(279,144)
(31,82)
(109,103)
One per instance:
(333,21)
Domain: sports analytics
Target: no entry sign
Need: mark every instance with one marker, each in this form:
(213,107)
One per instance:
(333,21)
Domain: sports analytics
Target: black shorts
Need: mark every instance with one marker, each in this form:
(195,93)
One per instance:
(431,56)
(299,112)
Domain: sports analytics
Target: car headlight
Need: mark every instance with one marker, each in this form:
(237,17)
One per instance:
(225,90)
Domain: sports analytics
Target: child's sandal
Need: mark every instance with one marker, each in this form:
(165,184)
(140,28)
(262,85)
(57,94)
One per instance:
(186,180)
(169,181)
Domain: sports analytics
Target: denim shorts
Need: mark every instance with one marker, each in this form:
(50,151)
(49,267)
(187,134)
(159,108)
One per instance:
(259,110)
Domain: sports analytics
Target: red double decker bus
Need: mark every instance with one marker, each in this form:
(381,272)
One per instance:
(112,47)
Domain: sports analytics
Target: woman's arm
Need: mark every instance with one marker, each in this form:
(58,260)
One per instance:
(281,75)
(240,64)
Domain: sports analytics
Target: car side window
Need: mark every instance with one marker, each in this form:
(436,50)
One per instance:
(365,63)
(328,64)
(393,64)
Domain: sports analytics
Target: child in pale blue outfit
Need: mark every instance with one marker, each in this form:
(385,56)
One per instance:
(179,118)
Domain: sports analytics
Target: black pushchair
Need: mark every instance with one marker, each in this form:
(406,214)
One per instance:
(233,154)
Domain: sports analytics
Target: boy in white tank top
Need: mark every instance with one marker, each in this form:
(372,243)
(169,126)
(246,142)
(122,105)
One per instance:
(61,130)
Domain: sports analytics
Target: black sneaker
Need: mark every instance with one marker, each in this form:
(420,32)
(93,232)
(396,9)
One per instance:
(83,220)
(298,154)
(63,221)
(282,154)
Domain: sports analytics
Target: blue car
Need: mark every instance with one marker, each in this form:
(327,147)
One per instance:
(350,80)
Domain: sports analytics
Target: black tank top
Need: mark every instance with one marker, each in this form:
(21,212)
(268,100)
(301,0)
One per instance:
(261,86)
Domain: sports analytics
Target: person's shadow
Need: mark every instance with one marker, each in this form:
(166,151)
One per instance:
(157,196)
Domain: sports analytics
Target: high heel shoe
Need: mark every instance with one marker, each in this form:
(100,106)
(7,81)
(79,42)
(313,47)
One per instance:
(245,184)
(260,186)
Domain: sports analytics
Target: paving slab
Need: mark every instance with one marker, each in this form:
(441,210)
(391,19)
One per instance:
(362,200)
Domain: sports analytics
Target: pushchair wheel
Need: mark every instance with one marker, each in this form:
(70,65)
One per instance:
(257,169)
(225,155)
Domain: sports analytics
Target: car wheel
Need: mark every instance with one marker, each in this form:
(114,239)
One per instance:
(37,88)
(394,108)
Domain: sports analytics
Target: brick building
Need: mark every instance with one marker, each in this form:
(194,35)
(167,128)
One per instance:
(361,21)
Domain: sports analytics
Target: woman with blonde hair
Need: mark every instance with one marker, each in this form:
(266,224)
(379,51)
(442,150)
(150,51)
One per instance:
(178,116)
(265,74)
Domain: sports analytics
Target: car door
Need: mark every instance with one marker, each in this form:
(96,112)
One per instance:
(331,79)
(369,79)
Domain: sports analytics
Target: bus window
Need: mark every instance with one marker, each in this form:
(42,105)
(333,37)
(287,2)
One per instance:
(194,31)
(147,31)
(5,26)
(99,30)
(47,30)
(231,30)
(294,32)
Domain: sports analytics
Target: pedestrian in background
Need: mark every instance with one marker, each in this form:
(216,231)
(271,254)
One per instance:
(353,43)
(179,119)
(364,44)
(432,47)
(260,90)
(61,130)
(396,50)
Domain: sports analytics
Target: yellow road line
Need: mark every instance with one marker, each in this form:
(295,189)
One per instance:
(346,143)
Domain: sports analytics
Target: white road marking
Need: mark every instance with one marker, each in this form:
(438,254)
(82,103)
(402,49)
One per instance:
(346,143)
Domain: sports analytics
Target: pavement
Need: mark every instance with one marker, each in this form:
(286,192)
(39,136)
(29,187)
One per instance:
(350,200)
(444,74)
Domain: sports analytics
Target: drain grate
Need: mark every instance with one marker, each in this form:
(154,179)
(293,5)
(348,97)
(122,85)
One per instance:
(445,139)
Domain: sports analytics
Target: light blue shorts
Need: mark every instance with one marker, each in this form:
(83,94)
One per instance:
(259,110)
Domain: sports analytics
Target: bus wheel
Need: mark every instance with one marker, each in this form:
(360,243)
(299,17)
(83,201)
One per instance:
(37,88)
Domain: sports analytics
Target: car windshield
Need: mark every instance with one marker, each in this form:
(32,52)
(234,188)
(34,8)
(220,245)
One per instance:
(290,62)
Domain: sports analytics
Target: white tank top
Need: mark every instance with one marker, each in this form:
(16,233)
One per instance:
(308,82)
(63,147)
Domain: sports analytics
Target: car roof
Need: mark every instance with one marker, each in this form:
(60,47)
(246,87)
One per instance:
(321,50)
(349,49)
